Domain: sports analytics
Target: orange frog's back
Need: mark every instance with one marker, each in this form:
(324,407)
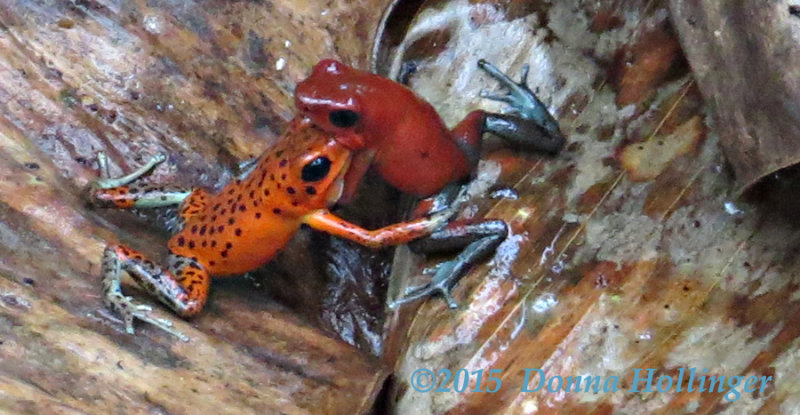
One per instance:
(250,220)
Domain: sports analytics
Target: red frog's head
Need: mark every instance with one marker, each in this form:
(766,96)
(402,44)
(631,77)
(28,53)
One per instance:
(360,108)
(335,97)
(385,124)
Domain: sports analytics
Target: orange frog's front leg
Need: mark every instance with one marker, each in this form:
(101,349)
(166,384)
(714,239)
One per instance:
(240,228)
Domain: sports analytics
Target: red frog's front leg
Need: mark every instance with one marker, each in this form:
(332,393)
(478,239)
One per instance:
(240,228)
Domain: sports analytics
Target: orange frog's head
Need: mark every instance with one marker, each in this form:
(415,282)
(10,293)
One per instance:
(304,171)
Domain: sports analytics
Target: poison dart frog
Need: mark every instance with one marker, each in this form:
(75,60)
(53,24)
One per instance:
(239,228)
(401,135)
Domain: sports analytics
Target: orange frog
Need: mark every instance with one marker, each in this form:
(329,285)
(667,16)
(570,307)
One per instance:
(239,228)
(401,135)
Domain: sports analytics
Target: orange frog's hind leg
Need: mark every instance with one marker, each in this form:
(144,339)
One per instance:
(183,285)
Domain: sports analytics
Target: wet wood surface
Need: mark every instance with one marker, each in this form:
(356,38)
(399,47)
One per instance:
(629,250)
(208,83)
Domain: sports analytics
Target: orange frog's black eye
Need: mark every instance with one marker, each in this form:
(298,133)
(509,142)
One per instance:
(343,118)
(316,169)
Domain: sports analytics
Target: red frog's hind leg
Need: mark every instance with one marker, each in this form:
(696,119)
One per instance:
(529,126)
(126,192)
(521,99)
(182,286)
(476,242)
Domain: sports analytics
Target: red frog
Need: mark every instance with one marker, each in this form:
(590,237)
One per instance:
(239,228)
(401,135)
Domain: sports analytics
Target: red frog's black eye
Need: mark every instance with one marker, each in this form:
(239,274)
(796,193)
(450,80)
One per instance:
(316,169)
(343,118)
